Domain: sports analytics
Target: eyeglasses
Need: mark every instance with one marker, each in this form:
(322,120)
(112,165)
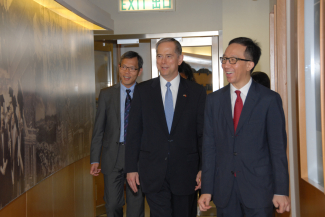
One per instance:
(131,69)
(232,60)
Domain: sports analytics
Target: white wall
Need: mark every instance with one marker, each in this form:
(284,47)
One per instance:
(190,16)
(272,3)
(248,18)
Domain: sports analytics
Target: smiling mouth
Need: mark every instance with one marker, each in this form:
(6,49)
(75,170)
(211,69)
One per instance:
(228,73)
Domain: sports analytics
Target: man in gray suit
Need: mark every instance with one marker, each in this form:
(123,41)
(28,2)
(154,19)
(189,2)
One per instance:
(108,138)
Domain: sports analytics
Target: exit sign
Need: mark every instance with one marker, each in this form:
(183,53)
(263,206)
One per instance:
(146,5)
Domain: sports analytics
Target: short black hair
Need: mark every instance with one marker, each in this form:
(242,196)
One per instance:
(261,78)
(130,55)
(178,46)
(187,70)
(253,50)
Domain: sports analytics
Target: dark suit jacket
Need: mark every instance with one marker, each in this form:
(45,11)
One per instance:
(148,141)
(106,134)
(257,152)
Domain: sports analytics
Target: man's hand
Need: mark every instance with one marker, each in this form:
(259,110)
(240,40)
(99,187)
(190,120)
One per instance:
(94,169)
(281,203)
(198,180)
(204,202)
(133,180)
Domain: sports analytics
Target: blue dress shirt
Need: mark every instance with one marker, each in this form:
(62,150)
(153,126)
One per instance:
(122,106)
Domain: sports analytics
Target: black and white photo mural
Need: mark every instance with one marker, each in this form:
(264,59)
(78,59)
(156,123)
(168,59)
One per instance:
(47,95)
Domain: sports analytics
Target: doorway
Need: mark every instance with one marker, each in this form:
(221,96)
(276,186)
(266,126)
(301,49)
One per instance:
(201,51)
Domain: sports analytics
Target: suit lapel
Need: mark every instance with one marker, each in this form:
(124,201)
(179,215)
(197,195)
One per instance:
(180,103)
(226,107)
(249,105)
(116,102)
(158,105)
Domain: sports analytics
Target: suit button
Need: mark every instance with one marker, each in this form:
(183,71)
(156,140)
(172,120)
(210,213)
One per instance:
(232,172)
(235,153)
(166,158)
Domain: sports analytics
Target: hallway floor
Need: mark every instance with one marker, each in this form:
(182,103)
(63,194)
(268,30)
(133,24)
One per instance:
(211,212)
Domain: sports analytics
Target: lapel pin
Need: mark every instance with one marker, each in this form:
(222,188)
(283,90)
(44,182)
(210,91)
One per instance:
(184,95)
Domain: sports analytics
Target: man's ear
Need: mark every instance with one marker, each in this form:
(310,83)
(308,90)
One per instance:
(140,72)
(249,65)
(180,59)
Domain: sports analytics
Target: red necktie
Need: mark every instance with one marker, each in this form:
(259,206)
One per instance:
(237,109)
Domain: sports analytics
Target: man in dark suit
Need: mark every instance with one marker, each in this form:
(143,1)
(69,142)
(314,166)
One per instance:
(108,139)
(245,165)
(165,136)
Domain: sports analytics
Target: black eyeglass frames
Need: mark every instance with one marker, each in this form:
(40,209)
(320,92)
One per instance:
(232,60)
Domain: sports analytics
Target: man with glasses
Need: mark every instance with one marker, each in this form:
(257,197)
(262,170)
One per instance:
(245,167)
(108,139)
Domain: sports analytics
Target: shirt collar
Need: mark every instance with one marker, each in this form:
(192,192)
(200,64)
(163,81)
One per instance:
(244,89)
(174,82)
(123,88)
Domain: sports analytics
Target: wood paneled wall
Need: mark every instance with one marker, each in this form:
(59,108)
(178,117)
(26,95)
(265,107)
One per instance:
(284,67)
(69,192)
(312,199)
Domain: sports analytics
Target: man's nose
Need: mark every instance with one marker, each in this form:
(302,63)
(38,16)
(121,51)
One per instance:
(227,64)
(163,59)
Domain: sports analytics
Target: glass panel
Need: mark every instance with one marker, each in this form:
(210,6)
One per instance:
(199,58)
(103,74)
(312,85)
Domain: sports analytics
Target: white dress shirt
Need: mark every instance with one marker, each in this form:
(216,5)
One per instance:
(173,87)
(243,94)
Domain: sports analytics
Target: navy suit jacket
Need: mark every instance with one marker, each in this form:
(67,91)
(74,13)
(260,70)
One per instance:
(256,152)
(148,141)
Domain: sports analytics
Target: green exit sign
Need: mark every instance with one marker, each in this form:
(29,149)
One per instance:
(146,5)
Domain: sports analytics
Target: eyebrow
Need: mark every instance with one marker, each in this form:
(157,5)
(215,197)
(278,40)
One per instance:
(232,56)
(164,54)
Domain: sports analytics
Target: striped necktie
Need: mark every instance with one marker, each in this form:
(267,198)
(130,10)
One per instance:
(127,111)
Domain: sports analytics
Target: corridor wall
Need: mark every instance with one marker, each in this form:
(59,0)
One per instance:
(47,96)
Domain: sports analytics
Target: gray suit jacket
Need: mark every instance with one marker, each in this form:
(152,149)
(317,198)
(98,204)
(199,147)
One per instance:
(106,132)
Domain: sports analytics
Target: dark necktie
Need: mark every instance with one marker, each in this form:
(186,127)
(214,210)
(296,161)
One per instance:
(237,110)
(169,108)
(127,111)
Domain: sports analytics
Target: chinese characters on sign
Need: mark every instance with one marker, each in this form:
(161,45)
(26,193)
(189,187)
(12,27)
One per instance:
(146,5)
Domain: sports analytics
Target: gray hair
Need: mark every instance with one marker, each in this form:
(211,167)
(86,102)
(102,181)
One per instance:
(178,46)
